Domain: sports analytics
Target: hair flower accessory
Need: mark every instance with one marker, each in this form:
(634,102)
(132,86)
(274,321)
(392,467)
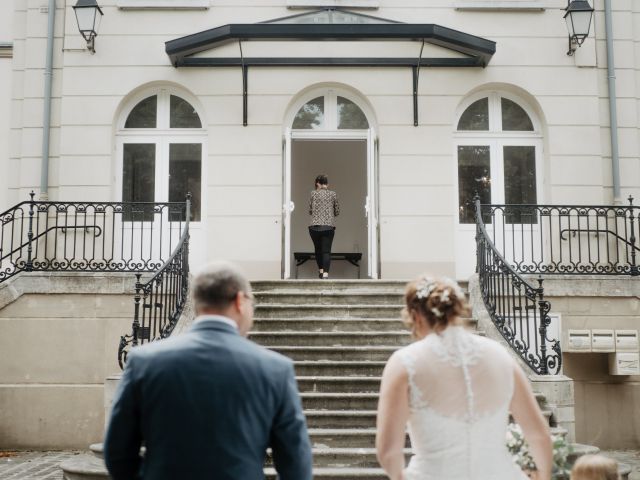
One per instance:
(437,312)
(425,287)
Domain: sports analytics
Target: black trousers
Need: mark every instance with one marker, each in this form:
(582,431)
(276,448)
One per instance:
(322,240)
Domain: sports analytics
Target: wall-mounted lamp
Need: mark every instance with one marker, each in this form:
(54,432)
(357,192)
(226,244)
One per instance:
(578,17)
(88,15)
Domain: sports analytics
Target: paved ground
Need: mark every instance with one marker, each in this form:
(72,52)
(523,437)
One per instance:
(32,465)
(45,465)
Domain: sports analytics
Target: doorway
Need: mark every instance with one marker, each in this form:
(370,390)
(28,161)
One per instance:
(345,163)
(331,133)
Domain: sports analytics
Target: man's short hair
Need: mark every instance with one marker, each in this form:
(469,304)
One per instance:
(217,284)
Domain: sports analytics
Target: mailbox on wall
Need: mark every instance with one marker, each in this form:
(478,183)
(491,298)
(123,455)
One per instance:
(627,341)
(578,341)
(602,341)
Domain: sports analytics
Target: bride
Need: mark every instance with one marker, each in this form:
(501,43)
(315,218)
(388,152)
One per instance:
(455,390)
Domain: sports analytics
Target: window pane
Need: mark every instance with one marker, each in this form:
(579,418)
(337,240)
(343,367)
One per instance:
(520,184)
(474,176)
(476,116)
(144,114)
(138,180)
(311,115)
(183,115)
(350,116)
(514,118)
(185,175)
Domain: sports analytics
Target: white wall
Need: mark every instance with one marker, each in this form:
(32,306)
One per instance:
(345,163)
(417,164)
(6,36)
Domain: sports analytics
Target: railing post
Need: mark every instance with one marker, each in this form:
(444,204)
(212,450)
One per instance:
(544,307)
(29,266)
(632,238)
(135,327)
(476,204)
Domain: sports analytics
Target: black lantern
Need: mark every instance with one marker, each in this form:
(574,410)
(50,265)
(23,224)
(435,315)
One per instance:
(578,18)
(88,15)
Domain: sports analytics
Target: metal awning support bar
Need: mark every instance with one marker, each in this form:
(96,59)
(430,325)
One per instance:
(416,85)
(245,88)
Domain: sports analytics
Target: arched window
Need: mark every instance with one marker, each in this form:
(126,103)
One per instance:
(498,145)
(330,112)
(161,142)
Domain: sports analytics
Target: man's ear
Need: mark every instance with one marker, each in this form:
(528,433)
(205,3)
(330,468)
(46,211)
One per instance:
(237,301)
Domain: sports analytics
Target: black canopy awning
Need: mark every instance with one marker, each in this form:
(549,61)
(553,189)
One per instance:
(332,25)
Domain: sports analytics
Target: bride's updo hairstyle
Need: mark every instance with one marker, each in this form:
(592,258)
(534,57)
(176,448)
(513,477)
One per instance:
(440,301)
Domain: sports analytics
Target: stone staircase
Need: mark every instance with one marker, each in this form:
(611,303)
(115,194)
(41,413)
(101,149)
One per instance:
(339,335)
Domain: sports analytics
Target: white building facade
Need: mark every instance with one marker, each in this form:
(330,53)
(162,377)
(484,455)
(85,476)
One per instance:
(530,126)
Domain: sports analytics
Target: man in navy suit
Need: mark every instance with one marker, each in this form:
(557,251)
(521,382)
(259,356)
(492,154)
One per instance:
(207,404)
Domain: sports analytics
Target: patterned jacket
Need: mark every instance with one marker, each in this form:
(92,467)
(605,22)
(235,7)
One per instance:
(324,207)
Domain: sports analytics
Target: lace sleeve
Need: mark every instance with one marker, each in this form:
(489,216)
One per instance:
(416,400)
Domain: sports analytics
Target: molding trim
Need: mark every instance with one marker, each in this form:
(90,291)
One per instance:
(163,4)
(6,50)
(372,4)
(500,5)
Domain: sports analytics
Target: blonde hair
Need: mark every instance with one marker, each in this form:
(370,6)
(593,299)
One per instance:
(440,301)
(595,467)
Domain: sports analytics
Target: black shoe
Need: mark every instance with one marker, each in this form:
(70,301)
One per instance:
(320,275)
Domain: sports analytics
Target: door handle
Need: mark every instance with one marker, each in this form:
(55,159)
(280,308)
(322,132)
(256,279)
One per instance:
(366,208)
(288,207)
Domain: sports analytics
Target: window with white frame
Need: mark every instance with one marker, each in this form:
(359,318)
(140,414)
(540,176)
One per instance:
(498,146)
(330,111)
(161,147)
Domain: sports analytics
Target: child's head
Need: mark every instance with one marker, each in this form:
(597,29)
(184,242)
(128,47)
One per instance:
(595,467)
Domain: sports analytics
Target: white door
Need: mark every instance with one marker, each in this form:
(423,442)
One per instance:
(477,171)
(287,207)
(502,171)
(371,206)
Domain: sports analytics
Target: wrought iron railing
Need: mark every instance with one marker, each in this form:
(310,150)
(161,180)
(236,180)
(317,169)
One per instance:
(566,239)
(160,301)
(518,309)
(49,236)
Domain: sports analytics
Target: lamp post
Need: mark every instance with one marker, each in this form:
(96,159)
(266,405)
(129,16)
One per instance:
(88,16)
(578,17)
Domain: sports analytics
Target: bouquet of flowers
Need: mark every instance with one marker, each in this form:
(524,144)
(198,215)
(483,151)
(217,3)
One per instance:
(522,456)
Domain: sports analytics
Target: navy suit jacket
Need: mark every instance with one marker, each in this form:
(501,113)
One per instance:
(206,405)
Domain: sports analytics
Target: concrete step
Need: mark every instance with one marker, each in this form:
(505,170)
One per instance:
(342,457)
(321,297)
(84,467)
(326,286)
(345,438)
(328,384)
(328,311)
(345,473)
(380,353)
(324,324)
(339,369)
(334,419)
(331,339)
(339,401)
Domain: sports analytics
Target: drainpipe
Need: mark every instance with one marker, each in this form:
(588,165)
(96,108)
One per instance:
(46,119)
(613,109)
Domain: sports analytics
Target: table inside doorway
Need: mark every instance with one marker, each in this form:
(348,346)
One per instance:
(353,258)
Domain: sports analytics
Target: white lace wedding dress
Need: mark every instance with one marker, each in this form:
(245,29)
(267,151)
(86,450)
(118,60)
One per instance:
(460,387)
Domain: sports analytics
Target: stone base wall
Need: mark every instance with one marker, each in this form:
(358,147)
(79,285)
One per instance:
(59,336)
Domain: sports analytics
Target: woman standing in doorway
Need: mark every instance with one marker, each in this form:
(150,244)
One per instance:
(323,208)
